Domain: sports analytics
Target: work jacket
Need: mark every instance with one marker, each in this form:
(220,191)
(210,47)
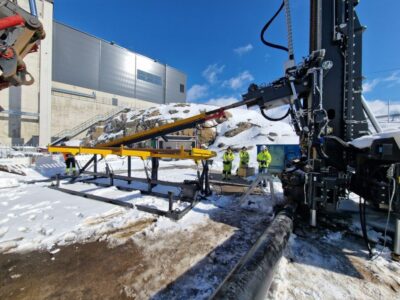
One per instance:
(264,159)
(67,155)
(244,157)
(228,157)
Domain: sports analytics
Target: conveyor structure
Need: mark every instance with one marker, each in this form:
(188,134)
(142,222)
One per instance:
(193,154)
(165,129)
(190,191)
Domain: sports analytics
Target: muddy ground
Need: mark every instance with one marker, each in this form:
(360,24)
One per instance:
(188,264)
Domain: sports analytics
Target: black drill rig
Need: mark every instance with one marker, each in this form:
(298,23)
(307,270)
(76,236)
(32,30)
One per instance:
(329,114)
(324,98)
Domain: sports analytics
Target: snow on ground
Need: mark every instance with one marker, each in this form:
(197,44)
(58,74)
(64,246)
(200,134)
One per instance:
(333,265)
(327,265)
(317,265)
(211,238)
(8,183)
(36,217)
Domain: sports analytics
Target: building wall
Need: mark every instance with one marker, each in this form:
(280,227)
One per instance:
(83,60)
(70,106)
(46,54)
(63,65)
(22,129)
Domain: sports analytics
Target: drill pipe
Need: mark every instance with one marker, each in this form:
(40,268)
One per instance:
(252,276)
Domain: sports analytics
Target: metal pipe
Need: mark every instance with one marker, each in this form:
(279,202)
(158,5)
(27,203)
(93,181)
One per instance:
(252,276)
(396,248)
(32,7)
(170,201)
(313,217)
(111,179)
(370,115)
(129,168)
(74,93)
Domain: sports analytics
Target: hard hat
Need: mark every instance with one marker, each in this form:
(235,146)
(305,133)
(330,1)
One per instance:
(263,148)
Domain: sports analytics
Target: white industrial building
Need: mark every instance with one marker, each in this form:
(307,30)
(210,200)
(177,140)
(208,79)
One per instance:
(79,79)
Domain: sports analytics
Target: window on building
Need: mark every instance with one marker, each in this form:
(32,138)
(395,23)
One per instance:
(182,88)
(148,77)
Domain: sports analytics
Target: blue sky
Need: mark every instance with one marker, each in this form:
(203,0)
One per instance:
(216,43)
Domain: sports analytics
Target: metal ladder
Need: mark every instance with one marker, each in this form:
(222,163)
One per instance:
(70,133)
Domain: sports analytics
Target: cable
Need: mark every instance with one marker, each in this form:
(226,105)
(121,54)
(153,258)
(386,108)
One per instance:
(363,225)
(388,218)
(274,119)
(265,42)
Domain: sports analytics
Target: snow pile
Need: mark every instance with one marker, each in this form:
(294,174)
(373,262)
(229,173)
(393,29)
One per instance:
(242,128)
(8,183)
(264,132)
(170,112)
(73,143)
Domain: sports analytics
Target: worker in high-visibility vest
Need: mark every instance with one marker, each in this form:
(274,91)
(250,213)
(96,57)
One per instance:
(227,160)
(264,159)
(244,158)
(70,163)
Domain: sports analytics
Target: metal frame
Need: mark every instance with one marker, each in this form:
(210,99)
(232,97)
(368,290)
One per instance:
(194,154)
(260,178)
(170,213)
(191,191)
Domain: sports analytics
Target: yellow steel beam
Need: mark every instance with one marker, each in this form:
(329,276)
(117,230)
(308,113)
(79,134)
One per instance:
(195,153)
(152,131)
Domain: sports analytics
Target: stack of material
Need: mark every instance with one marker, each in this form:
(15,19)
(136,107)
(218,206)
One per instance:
(246,171)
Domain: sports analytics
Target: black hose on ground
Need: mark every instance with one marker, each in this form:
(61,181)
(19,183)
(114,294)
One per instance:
(252,276)
(363,223)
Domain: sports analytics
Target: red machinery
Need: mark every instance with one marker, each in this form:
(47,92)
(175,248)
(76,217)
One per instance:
(20,34)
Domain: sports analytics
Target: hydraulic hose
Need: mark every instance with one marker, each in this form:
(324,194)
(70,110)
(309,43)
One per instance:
(363,223)
(274,119)
(265,42)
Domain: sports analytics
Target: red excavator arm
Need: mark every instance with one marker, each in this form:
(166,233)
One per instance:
(20,34)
